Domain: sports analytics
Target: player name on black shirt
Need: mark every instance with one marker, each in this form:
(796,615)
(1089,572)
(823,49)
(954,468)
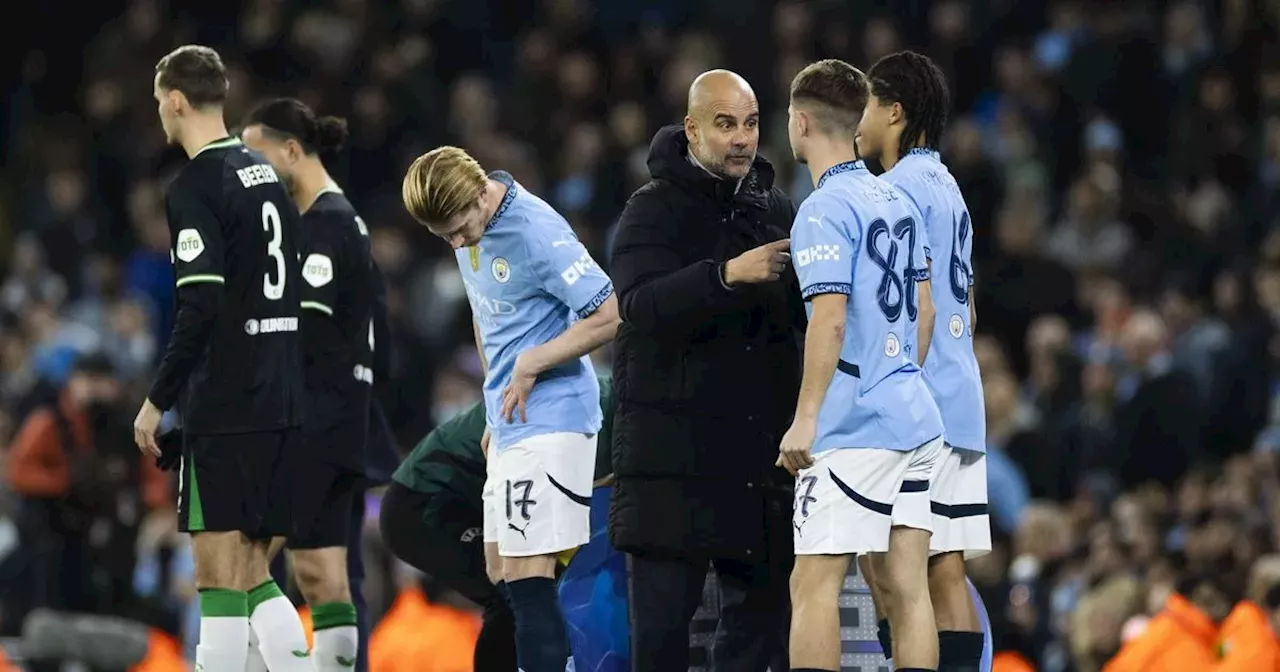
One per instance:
(236,353)
(254,175)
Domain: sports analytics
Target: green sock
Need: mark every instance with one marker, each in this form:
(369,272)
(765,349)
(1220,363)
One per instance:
(261,593)
(336,636)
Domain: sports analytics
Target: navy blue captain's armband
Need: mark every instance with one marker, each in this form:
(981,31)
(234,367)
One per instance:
(596,301)
(826,288)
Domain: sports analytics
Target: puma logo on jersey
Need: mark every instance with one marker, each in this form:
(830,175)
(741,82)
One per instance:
(188,245)
(252,176)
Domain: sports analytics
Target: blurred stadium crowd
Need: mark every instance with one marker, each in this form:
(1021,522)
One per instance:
(1121,161)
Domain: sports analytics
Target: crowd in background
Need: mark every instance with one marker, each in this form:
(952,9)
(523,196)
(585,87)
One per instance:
(1121,161)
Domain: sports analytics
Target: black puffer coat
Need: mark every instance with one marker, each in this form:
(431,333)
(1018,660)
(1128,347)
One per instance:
(706,377)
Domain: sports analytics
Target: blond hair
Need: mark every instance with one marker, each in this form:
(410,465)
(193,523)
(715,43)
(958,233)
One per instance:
(442,183)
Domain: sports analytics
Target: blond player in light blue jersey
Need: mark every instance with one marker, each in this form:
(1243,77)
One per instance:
(540,305)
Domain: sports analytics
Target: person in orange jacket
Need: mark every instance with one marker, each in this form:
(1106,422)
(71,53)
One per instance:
(1246,642)
(164,654)
(39,466)
(1011,661)
(420,634)
(1184,635)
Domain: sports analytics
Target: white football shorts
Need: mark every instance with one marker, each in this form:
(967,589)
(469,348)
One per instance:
(537,497)
(850,498)
(960,518)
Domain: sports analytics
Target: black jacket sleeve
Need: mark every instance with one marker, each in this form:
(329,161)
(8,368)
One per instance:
(785,210)
(192,328)
(656,292)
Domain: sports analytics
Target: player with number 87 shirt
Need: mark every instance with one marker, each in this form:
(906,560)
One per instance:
(867,435)
(234,363)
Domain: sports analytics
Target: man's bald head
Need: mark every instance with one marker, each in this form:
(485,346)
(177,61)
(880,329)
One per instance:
(723,123)
(718,85)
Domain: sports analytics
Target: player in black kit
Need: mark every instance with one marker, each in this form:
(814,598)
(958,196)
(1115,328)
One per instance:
(338,343)
(233,365)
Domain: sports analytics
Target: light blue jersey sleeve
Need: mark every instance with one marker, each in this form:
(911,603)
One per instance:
(823,247)
(568,272)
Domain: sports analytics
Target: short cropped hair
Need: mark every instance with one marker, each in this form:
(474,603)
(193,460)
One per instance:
(197,72)
(834,92)
(919,85)
(442,183)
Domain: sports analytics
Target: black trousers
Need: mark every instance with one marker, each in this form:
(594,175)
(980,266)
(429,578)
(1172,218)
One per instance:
(755,611)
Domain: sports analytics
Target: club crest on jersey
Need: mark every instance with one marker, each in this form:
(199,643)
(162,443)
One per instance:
(474,253)
(317,270)
(892,347)
(501,269)
(188,245)
(956,326)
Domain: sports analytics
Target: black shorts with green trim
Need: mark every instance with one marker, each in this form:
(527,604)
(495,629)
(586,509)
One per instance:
(238,483)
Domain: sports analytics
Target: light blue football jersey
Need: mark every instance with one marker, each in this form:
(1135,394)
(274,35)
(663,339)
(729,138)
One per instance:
(950,368)
(527,280)
(856,235)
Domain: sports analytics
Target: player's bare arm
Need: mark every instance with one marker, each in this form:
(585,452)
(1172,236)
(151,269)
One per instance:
(973,311)
(926,317)
(484,363)
(822,342)
(581,338)
(484,368)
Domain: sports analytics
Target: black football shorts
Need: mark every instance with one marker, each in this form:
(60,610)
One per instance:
(238,483)
(323,496)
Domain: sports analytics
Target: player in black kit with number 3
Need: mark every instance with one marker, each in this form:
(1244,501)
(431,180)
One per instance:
(233,365)
(338,341)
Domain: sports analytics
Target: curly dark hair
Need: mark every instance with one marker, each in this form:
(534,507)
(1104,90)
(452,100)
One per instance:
(917,83)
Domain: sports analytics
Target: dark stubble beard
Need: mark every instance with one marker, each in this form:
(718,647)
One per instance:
(718,165)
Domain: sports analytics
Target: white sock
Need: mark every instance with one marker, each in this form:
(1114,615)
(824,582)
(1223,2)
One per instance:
(336,649)
(337,640)
(255,662)
(224,632)
(281,639)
